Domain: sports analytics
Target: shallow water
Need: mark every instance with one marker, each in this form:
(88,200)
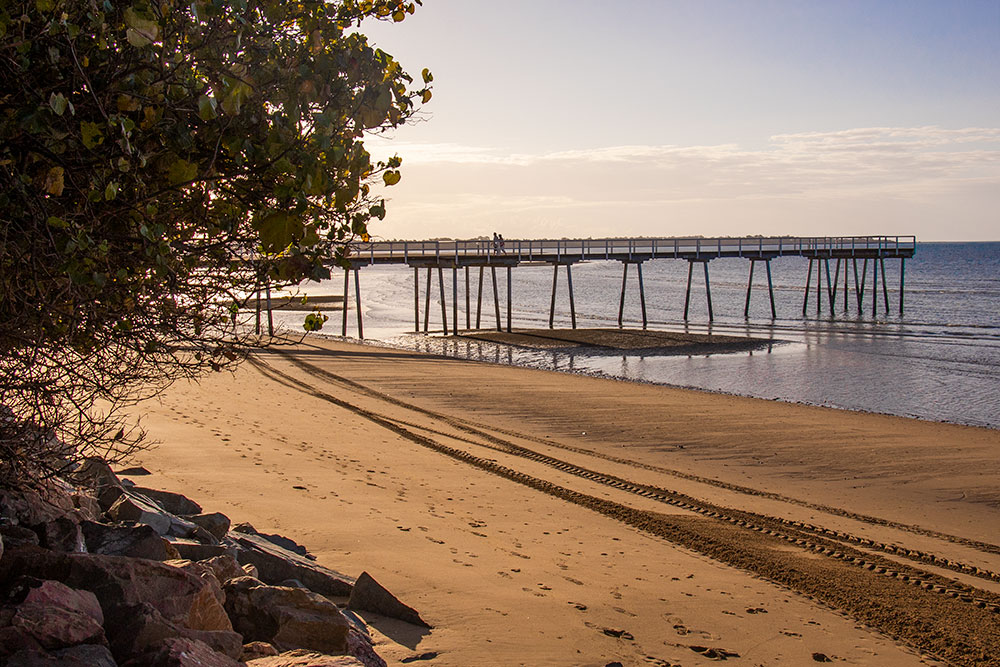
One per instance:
(940,360)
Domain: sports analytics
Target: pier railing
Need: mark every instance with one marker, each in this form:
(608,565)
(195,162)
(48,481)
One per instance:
(625,249)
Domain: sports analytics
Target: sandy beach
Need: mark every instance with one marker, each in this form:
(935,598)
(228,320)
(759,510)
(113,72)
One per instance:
(541,518)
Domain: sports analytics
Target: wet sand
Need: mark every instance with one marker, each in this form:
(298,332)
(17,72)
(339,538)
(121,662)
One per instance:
(541,518)
(615,341)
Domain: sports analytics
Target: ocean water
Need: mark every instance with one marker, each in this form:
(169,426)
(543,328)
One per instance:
(939,360)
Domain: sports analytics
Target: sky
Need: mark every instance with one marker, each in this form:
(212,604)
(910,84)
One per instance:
(591,118)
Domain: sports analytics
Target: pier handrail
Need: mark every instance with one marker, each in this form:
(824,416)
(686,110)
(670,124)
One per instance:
(627,248)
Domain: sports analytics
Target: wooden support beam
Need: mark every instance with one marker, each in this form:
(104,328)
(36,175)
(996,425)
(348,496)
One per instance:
(836,281)
(509,299)
(875,287)
(642,294)
(860,291)
(829,288)
(708,291)
(572,304)
(902,276)
(819,287)
(885,285)
(552,307)
(427,301)
(770,288)
(468,311)
(416,299)
(347,300)
(847,303)
(687,294)
(746,306)
(444,302)
(357,300)
(621,303)
(805,298)
(454,300)
(270,314)
(496,296)
(479,298)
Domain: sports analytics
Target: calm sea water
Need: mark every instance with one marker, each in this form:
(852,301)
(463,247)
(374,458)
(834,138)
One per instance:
(939,361)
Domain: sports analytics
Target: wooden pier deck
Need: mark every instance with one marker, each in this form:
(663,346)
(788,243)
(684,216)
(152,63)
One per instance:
(436,256)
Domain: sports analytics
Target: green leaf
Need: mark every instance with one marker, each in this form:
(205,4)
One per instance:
(314,321)
(58,102)
(206,107)
(91,134)
(141,32)
(58,223)
(279,230)
(182,171)
(54,182)
(391,177)
(425,96)
(111,191)
(427,76)
(45,5)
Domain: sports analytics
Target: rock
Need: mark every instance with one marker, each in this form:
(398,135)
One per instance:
(215,523)
(17,536)
(245,528)
(62,534)
(47,593)
(255,650)
(137,629)
(53,626)
(292,583)
(139,541)
(225,567)
(84,655)
(87,505)
(276,564)
(203,571)
(181,652)
(302,658)
(286,617)
(94,473)
(1,546)
(251,570)
(134,471)
(129,507)
(360,646)
(107,496)
(181,597)
(195,550)
(174,503)
(33,508)
(369,595)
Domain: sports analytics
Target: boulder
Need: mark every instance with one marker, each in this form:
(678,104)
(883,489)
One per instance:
(174,503)
(225,567)
(369,595)
(360,646)
(137,629)
(50,615)
(195,550)
(182,597)
(302,658)
(94,473)
(181,652)
(203,571)
(134,508)
(17,536)
(84,655)
(286,617)
(62,534)
(87,505)
(215,523)
(33,508)
(134,471)
(140,541)
(275,564)
(254,650)
(106,496)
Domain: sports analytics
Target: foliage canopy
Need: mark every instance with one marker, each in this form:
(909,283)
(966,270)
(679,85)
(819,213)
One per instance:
(158,160)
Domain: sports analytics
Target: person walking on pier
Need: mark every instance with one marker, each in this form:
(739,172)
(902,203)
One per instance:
(500,239)
(496,244)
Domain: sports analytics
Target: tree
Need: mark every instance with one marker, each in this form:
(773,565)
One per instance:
(158,160)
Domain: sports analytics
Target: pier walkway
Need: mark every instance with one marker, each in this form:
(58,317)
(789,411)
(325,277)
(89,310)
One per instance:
(486,253)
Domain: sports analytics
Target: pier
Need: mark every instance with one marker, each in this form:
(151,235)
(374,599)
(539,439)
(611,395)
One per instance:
(434,257)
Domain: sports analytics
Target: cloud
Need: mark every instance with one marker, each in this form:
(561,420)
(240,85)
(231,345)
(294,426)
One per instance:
(857,172)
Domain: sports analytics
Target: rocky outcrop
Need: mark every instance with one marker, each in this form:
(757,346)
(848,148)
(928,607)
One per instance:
(113,574)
